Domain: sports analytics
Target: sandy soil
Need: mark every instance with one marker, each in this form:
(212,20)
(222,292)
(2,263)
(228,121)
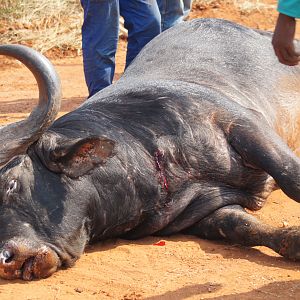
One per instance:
(184,267)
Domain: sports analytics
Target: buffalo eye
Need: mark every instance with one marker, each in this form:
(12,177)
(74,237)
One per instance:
(12,186)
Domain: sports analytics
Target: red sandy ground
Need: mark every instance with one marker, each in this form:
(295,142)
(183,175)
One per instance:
(185,267)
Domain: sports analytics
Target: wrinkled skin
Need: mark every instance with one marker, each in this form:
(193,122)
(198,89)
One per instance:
(202,125)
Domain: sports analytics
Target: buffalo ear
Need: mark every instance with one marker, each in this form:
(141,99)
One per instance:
(78,158)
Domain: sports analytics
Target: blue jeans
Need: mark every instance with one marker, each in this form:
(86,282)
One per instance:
(173,12)
(100,32)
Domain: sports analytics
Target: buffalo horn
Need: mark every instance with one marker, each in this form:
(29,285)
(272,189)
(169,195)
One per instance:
(15,138)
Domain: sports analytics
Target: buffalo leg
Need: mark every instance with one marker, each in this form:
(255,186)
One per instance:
(261,147)
(234,224)
(210,198)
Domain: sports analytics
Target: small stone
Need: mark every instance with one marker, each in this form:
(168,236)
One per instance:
(285,224)
(78,290)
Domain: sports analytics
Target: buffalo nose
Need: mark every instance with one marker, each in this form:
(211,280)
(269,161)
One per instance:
(6,256)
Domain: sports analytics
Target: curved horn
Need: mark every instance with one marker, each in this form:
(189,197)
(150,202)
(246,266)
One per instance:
(15,138)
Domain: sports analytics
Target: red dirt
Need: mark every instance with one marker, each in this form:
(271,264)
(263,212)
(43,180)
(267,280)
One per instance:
(183,267)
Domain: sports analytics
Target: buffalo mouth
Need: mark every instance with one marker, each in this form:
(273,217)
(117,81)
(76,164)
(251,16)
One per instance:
(17,262)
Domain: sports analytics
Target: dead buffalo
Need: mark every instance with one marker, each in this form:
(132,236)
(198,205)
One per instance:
(200,127)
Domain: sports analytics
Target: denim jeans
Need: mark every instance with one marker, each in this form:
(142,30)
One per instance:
(100,32)
(173,12)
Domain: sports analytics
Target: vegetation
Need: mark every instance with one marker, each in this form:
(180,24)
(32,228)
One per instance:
(42,24)
(56,25)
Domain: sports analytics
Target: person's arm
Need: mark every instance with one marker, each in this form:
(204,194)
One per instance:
(284,33)
(283,40)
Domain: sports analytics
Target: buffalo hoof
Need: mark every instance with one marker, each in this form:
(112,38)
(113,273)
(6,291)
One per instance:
(290,243)
(19,262)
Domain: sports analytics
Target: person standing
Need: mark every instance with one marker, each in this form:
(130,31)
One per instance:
(284,33)
(100,34)
(173,12)
(144,19)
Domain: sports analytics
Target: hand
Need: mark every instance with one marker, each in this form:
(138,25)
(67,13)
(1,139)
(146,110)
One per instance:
(283,40)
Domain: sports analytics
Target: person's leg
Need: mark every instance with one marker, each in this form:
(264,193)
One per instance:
(173,12)
(142,20)
(100,32)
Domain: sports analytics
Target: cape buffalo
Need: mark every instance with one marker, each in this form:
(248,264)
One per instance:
(201,127)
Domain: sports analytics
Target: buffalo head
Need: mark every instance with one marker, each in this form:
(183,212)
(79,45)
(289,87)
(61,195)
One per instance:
(39,228)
